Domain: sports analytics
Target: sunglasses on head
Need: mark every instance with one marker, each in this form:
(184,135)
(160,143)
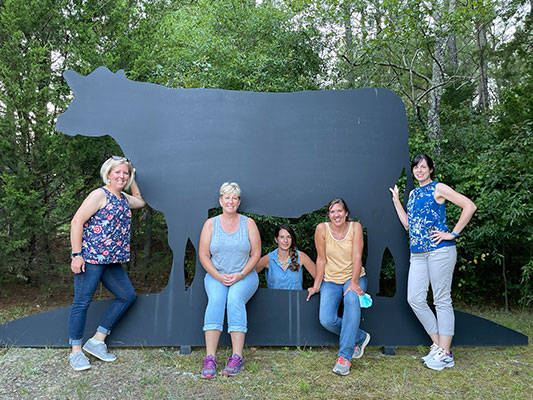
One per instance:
(118,158)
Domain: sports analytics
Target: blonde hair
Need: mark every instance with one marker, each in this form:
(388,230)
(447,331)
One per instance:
(113,162)
(230,187)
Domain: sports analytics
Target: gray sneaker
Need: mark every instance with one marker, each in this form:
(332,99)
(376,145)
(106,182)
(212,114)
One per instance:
(432,351)
(99,351)
(79,362)
(440,361)
(342,366)
(360,350)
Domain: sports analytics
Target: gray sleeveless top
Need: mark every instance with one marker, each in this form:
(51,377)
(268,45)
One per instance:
(230,251)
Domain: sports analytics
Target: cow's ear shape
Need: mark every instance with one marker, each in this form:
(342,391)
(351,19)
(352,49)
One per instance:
(121,73)
(71,77)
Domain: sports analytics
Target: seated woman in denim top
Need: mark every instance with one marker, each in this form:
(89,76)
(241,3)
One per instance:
(283,265)
(100,240)
(230,246)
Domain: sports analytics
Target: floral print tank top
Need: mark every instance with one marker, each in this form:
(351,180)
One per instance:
(424,215)
(106,235)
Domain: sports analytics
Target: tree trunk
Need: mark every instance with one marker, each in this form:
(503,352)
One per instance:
(347,14)
(437,79)
(452,44)
(483,86)
(504,280)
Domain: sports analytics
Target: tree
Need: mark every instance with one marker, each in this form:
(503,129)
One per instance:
(234,45)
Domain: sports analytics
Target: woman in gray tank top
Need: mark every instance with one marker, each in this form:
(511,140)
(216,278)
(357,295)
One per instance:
(230,246)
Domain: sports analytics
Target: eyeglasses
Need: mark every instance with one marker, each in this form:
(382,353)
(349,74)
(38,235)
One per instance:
(118,158)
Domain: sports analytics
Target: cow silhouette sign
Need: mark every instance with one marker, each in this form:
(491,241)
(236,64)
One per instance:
(291,153)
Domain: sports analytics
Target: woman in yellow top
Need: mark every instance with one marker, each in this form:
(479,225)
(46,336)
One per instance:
(340,275)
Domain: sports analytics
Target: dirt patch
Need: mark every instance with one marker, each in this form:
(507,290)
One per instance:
(24,299)
(31,297)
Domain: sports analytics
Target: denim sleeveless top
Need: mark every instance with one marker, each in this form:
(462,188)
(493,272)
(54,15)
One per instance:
(424,215)
(277,278)
(230,251)
(106,235)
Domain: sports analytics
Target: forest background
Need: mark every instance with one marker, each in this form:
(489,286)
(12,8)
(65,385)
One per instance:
(462,68)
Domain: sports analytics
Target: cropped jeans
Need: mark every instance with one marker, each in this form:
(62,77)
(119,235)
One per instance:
(233,297)
(346,327)
(433,268)
(115,279)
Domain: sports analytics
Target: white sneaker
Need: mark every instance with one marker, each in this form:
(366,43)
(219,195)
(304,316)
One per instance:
(432,351)
(440,361)
(360,350)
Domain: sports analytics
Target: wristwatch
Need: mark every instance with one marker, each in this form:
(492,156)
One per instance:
(74,255)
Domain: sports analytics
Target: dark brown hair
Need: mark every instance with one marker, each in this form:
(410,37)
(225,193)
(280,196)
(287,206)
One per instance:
(293,254)
(338,200)
(417,159)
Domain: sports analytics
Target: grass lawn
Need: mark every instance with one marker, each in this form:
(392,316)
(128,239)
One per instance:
(275,373)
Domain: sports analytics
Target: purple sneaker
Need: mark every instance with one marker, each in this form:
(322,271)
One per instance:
(210,367)
(234,366)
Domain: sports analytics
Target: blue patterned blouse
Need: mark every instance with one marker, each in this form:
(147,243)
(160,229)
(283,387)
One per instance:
(106,235)
(424,215)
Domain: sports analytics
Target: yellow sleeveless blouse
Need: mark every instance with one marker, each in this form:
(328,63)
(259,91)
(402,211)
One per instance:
(339,262)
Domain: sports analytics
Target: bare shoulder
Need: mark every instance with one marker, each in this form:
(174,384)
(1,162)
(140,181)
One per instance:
(443,192)
(250,222)
(208,224)
(321,228)
(97,194)
(442,188)
(357,227)
(96,198)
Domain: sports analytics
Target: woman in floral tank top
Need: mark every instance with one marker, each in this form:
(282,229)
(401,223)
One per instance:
(433,256)
(100,240)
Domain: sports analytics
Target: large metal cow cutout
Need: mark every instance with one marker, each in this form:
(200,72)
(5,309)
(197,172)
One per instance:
(291,153)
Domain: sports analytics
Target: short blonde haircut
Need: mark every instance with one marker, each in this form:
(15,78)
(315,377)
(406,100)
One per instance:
(111,163)
(230,187)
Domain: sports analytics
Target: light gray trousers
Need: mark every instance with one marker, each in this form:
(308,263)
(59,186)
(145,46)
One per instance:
(435,268)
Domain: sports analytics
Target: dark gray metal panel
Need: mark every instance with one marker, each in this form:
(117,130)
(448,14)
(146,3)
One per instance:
(291,153)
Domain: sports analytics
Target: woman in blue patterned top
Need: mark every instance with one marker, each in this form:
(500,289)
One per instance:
(100,240)
(433,255)
(283,265)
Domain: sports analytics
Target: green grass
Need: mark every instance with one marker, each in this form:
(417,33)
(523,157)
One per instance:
(279,373)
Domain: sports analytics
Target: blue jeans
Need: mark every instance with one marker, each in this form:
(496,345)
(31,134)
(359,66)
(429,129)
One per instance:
(115,279)
(346,327)
(233,297)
